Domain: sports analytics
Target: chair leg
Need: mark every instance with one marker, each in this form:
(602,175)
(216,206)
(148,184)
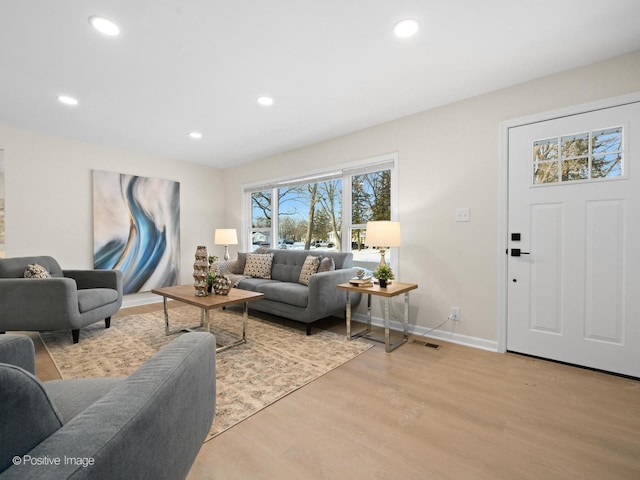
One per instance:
(308,329)
(76,335)
(107,322)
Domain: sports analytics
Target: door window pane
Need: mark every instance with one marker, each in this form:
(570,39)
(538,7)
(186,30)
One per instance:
(545,150)
(607,166)
(575,169)
(583,156)
(546,172)
(607,141)
(575,145)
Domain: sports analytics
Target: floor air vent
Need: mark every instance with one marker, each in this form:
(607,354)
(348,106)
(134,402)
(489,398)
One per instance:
(426,344)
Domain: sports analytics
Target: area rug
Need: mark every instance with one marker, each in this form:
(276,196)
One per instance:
(275,361)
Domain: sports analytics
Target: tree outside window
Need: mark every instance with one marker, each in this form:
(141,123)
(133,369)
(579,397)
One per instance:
(310,215)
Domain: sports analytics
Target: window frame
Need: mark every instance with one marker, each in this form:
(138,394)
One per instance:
(346,172)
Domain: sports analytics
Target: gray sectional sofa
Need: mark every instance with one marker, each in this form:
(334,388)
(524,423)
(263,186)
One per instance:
(148,425)
(285,296)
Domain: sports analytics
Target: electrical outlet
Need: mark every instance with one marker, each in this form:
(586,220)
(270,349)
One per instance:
(454,314)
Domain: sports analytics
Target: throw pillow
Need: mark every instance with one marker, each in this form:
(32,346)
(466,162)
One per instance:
(309,267)
(241,262)
(258,265)
(34,270)
(326,265)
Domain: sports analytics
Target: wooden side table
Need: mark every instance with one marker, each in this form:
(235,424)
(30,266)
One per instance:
(393,289)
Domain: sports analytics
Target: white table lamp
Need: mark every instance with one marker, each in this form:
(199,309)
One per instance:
(383,234)
(226,237)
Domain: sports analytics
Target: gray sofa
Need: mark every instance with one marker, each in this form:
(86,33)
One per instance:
(285,296)
(149,425)
(68,299)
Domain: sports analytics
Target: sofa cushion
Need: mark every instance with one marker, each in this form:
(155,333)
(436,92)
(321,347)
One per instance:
(35,270)
(90,298)
(27,414)
(309,267)
(285,292)
(258,265)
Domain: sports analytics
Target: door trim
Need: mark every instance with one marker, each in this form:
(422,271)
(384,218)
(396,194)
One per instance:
(503,185)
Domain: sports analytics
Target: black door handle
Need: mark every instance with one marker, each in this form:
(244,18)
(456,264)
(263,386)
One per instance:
(516,252)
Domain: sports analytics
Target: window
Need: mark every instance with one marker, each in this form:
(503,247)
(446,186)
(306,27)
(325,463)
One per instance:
(261,212)
(317,211)
(370,201)
(581,156)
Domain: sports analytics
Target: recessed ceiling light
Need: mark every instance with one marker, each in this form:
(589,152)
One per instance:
(195,135)
(67,100)
(104,25)
(406,28)
(265,101)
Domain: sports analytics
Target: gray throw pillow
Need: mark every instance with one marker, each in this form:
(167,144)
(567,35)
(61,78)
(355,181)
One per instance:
(238,268)
(326,265)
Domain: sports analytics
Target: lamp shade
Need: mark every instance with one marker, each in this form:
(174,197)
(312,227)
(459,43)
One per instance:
(383,234)
(225,236)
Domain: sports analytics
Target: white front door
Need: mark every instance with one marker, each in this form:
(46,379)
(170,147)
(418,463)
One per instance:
(574,215)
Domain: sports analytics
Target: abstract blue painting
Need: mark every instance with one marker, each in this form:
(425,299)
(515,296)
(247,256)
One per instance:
(136,229)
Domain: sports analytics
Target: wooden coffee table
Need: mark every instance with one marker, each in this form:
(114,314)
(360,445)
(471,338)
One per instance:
(187,294)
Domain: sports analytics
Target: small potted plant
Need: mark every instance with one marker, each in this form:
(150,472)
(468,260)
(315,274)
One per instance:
(210,279)
(384,273)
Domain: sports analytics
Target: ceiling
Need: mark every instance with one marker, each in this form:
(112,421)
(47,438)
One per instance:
(331,66)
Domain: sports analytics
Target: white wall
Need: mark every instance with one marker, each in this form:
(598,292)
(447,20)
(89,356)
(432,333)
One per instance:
(48,184)
(449,158)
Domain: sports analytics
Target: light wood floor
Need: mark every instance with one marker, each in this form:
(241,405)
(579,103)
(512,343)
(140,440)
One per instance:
(452,413)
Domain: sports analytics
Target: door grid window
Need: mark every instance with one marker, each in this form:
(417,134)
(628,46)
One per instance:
(580,156)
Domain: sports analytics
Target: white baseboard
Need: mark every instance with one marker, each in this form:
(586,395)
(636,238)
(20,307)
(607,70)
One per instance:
(137,299)
(452,337)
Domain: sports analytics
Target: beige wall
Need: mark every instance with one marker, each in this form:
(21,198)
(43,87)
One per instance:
(449,158)
(48,184)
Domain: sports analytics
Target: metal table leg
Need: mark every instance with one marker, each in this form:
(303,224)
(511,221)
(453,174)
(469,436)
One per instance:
(245,317)
(367,330)
(167,331)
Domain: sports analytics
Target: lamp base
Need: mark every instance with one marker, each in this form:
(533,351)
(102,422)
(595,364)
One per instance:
(382,261)
(226,253)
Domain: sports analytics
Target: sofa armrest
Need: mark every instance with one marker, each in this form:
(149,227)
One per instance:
(151,425)
(323,292)
(18,350)
(48,303)
(96,279)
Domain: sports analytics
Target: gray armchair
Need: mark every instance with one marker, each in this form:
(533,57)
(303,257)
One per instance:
(146,426)
(69,299)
